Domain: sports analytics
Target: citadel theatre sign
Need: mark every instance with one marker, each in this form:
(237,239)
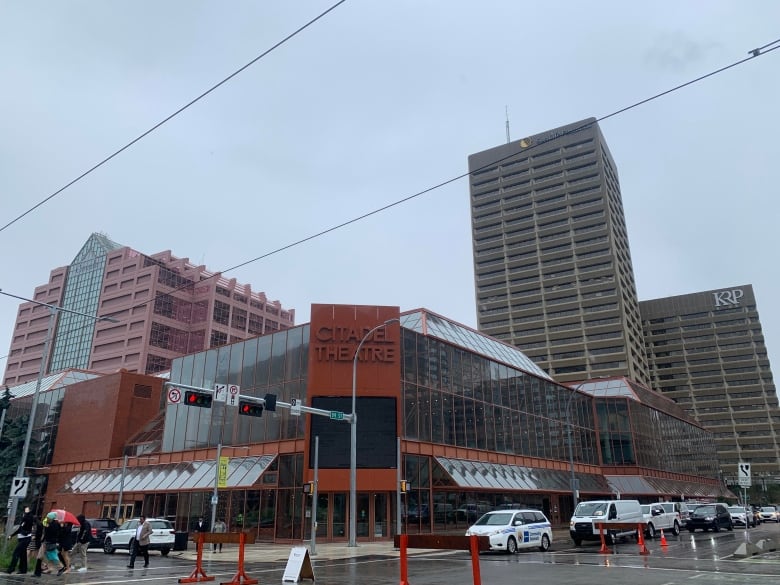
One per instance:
(338,344)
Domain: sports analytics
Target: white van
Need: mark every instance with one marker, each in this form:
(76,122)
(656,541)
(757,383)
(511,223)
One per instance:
(587,516)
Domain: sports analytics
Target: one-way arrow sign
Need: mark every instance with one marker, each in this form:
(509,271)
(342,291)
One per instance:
(743,474)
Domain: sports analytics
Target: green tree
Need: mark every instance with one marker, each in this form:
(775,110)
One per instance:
(11,442)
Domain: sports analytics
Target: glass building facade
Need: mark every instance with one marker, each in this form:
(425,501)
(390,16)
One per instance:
(478,429)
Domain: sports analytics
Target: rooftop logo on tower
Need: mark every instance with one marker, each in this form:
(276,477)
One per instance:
(728,298)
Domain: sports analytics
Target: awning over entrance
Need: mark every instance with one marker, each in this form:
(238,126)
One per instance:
(243,472)
(637,485)
(484,475)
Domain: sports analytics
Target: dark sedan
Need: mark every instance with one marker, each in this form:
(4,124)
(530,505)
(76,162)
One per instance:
(710,517)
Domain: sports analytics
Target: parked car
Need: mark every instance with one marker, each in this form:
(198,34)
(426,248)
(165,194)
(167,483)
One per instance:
(162,538)
(769,514)
(682,508)
(418,513)
(589,516)
(710,517)
(656,518)
(99,528)
(510,530)
(741,516)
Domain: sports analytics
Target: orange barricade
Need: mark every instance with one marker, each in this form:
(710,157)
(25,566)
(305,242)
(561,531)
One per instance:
(475,544)
(640,531)
(242,538)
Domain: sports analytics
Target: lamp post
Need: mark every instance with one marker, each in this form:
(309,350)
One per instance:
(53,311)
(122,483)
(353,439)
(569,425)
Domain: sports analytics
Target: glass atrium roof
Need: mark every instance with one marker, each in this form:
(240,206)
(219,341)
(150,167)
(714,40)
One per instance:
(637,485)
(190,475)
(484,475)
(611,387)
(433,325)
(58,380)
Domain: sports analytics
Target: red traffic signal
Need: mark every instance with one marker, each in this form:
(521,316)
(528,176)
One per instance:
(197,399)
(249,408)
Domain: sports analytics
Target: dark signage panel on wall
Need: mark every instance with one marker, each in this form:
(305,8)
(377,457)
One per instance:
(376,433)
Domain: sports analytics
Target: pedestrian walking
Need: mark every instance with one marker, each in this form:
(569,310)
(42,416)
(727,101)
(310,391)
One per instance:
(35,541)
(64,546)
(219,526)
(83,539)
(23,536)
(201,526)
(143,536)
(48,549)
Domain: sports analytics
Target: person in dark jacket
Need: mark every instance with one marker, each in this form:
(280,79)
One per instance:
(35,543)
(48,550)
(64,545)
(83,538)
(23,536)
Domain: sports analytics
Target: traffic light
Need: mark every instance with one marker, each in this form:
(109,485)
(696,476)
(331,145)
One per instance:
(270,402)
(403,486)
(200,399)
(308,488)
(249,408)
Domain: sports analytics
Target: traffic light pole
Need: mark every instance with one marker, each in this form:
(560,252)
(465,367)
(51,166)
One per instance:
(335,415)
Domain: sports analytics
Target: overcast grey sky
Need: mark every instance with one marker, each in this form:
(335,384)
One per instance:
(375,102)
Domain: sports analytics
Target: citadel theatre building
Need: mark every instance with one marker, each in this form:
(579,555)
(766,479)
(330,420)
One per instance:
(478,424)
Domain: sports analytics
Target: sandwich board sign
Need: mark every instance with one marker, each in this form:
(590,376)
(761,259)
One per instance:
(298,565)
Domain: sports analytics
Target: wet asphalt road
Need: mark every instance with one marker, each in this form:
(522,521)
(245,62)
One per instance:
(702,558)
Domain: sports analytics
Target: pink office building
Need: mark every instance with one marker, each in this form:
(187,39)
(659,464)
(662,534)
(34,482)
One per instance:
(164,307)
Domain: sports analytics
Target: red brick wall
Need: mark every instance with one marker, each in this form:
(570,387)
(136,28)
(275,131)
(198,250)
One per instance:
(99,415)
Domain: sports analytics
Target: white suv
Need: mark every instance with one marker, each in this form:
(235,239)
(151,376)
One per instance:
(510,530)
(658,517)
(162,538)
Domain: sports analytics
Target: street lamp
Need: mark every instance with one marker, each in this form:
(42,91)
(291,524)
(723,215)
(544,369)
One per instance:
(569,425)
(122,483)
(53,311)
(353,438)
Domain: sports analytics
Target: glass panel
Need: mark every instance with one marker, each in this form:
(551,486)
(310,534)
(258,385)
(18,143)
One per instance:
(339,515)
(381,525)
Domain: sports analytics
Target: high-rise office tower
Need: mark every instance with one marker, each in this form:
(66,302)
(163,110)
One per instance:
(552,267)
(165,308)
(706,351)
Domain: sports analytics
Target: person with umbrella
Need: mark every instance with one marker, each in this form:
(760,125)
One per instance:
(48,549)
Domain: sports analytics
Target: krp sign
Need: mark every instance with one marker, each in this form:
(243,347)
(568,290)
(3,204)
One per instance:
(728,298)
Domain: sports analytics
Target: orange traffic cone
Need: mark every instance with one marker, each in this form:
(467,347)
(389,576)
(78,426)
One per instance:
(663,538)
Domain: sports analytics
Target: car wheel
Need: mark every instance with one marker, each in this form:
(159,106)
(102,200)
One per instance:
(545,543)
(676,528)
(650,531)
(730,526)
(107,547)
(716,527)
(577,541)
(691,530)
(164,551)
(609,537)
(511,545)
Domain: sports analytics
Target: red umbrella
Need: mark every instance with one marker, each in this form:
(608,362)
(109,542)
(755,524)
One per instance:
(66,517)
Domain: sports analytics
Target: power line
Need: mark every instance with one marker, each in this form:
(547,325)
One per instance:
(173,115)
(753,54)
